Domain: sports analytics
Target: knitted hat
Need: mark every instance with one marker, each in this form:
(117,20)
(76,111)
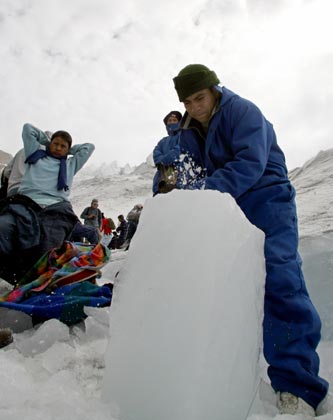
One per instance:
(176,114)
(193,78)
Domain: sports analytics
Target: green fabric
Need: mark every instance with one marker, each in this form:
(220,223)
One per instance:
(193,78)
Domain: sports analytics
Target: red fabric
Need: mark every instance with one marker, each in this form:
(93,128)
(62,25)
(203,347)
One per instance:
(106,227)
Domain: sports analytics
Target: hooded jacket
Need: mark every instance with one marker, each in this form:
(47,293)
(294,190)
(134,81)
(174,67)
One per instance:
(242,158)
(241,151)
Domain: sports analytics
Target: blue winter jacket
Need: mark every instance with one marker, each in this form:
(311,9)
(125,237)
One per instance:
(167,150)
(241,151)
(242,158)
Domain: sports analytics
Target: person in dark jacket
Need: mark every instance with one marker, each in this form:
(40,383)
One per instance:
(119,237)
(132,223)
(241,156)
(40,216)
(92,215)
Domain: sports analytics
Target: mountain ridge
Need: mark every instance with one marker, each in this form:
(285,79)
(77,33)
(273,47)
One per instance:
(120,188)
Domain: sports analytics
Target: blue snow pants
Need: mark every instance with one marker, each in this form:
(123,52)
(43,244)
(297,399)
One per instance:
(291,322)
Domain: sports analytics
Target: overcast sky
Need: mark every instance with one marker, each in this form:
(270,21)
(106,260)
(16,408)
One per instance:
(103,69)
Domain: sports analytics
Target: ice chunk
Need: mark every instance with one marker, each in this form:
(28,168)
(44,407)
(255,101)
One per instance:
(187,310)
(42,338)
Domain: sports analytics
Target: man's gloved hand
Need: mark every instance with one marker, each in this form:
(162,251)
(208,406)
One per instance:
(164,187)
(168,179)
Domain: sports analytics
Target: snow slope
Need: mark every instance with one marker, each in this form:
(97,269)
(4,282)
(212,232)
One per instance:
(56,373)
(314,186)
(117,189)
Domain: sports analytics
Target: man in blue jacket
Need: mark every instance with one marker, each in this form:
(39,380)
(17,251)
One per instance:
(241,156)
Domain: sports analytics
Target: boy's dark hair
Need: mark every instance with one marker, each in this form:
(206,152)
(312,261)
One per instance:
(121,217)
(64,135)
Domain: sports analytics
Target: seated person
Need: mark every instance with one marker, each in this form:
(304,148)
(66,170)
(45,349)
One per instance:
(13,173)
(40,216)
(120,235)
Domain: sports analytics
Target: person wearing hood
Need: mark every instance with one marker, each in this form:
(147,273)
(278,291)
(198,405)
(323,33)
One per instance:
(172,121)
(166,153)
(241,156)
(171,156)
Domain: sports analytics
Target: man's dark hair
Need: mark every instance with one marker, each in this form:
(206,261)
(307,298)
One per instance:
(64,135)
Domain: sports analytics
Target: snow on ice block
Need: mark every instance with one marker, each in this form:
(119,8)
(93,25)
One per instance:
(187,310)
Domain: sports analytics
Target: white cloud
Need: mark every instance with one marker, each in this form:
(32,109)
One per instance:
(103,70)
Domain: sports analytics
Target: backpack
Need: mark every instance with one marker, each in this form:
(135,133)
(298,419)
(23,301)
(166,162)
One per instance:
(111,224)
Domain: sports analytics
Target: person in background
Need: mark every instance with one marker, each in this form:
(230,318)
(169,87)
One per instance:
(120,235)
(166,153)
(241,157)
(132,223)
(40,216)
(175,160)
(92,215)
(14,171)
(106,230)
(172,120)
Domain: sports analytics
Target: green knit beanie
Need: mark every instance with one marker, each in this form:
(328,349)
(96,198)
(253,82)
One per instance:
(193,78)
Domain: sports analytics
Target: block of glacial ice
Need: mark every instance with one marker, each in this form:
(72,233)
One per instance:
(187,310)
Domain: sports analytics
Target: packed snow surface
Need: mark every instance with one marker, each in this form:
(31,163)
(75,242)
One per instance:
(54,372)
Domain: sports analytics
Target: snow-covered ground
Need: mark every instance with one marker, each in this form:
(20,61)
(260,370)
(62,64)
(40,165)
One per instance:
(56,373)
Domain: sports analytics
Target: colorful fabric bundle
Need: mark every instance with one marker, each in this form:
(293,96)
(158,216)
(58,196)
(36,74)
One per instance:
(66,303)
(39,296)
